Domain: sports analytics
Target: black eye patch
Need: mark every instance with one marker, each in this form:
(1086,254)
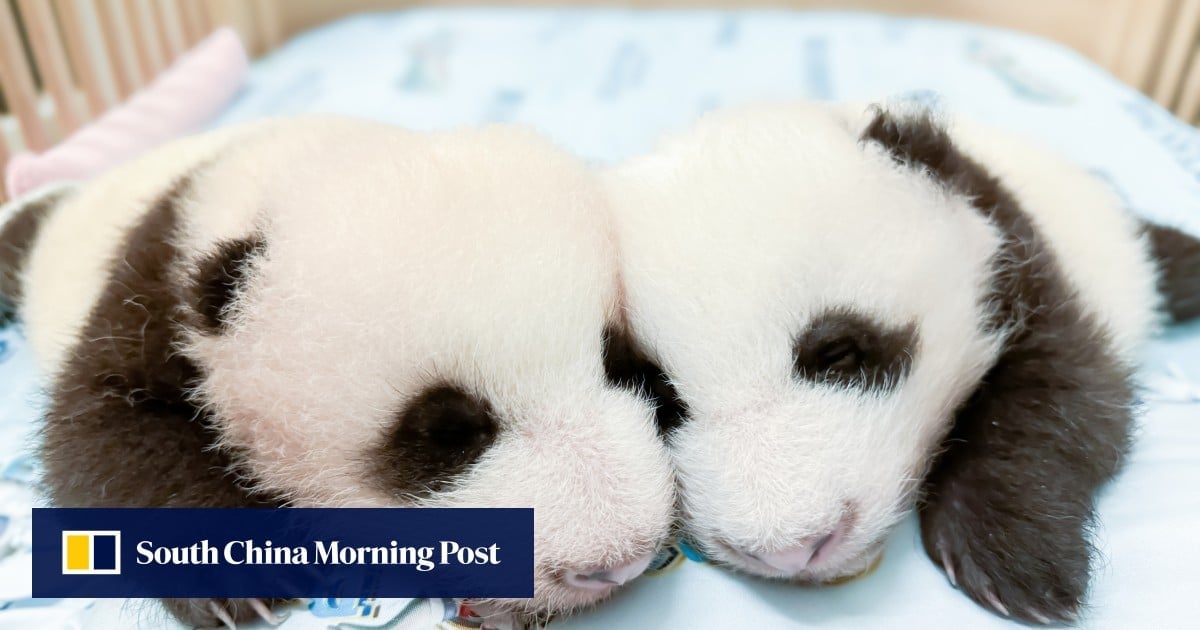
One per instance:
(844,348)
(626,366)
(437,436)
(222,274)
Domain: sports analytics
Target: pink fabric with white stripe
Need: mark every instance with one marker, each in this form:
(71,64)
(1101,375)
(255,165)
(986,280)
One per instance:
(184,97)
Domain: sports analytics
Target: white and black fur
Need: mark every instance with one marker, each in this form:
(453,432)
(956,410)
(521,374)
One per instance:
(328,312)
(851,314)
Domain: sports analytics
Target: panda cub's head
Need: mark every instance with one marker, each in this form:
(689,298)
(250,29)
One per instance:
(817,313)
(364,316)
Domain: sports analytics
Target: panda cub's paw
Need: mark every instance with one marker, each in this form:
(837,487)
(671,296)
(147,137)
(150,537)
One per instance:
(1020,563)
(223,613)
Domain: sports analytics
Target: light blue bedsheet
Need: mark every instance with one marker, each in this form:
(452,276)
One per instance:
(605,84)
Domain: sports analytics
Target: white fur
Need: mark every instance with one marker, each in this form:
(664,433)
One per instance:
(395,260)
(738,231)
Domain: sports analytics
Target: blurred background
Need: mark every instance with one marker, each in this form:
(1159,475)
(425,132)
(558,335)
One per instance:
(65,62)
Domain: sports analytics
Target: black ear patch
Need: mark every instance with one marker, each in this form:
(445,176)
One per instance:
(848,349)
(222,276)
(1019,284)
(437,436)
(914,139)
(626,366)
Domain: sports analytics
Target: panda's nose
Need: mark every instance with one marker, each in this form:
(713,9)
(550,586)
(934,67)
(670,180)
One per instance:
(810,552)
(601,578)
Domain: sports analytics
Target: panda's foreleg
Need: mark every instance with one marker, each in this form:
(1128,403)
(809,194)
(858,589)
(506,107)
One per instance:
(121,429)
(1009,507)
(1177,255)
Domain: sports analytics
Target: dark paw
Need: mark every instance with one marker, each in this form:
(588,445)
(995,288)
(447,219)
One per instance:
(1020,563)
(223,613)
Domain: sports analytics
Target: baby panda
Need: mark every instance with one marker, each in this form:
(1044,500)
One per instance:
(850,314)
(330,312)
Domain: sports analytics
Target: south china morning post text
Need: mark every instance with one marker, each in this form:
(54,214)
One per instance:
(283,553)
(239,552)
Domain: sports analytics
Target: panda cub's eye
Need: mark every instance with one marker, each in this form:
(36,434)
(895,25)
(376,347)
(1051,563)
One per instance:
(437,436)
(844,348)
(840,354)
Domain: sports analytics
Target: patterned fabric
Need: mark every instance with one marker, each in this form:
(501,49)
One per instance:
(606,83)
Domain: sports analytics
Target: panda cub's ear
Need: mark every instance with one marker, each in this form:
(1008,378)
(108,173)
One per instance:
(20,223)
(915,138)
(221,277)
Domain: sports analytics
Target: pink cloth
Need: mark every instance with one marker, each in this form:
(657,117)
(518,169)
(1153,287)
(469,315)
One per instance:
(182,99)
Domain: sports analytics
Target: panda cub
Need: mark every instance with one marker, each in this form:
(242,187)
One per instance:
(329,312)
(847,315)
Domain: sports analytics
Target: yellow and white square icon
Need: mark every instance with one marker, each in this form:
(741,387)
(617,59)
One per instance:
(91,552)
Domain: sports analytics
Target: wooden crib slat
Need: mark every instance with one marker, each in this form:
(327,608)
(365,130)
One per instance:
(118,43)
(87,58)
(190,19)
(1180,43)
(1114,26)
(238,15)
(170,35)
(158,23)
(17,82)
(173,28)
(1142,45)
(267,18)
(1189,93)
(46,43)
(140,32)
(204,18)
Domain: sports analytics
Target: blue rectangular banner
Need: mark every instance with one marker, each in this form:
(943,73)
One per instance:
(283,553)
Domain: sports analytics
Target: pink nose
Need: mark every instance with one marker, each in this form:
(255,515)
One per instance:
(601,578)
(811,552)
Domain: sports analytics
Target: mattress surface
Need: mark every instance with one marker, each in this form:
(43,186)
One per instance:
(606,84)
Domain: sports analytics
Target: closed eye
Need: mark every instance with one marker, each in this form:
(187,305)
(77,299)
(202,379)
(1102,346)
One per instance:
(848,349)
(437,436)
(840,354)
